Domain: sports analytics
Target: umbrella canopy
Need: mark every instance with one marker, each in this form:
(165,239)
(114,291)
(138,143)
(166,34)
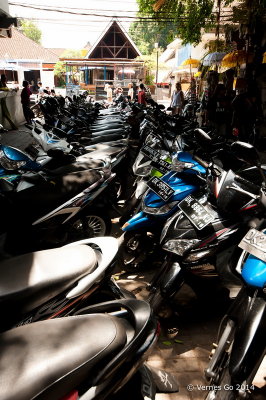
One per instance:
(127,71)
(236,57)
(213,59)
(191,61)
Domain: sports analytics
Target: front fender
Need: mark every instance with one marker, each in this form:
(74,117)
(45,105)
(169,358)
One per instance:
(139,221)
(249,342)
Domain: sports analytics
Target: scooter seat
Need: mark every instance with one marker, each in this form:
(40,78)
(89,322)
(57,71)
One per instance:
(29,280)
(47,359)
(108,132)
(38,199)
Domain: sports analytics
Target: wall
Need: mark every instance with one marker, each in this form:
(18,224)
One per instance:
(4,6)
(13,102)
(47,79)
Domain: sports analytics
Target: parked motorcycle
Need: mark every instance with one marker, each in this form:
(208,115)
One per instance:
(201,238)
(240,347)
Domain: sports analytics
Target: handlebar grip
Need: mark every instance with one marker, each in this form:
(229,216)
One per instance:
(37,130)
(201,162)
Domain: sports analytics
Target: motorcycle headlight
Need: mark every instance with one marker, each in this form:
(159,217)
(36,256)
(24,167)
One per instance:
(179,246)
(8,164)
(159,210)
(143,171)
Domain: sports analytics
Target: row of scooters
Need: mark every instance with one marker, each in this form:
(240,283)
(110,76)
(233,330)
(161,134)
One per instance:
(188,210)
(68,331)
(199,218)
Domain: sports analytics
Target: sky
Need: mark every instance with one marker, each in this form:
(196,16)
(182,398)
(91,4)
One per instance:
(71,31)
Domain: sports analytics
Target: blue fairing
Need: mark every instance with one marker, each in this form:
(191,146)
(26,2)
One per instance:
(187,157)
(140,221)
(181,188)
(14,154)
(17,155)
(254,272)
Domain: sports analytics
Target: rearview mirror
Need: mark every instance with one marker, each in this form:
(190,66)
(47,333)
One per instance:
(245,152)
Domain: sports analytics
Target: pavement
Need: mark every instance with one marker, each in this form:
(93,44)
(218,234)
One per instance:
(186,354)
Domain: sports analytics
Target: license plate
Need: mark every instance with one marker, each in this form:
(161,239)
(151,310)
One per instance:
(150,152)
(161,165)
(254,242)
(162,189)
(157,162)
(195,212)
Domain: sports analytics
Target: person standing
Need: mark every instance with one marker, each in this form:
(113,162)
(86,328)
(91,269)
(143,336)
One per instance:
(130,92)
(25,101)
(40,90)
(3,81)
(219,111)
(142,95)
(109,92)
(177,99)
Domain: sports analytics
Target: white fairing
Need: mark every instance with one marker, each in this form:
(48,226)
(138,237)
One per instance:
(48,140)
(140,163)
(109,248)
(141,189)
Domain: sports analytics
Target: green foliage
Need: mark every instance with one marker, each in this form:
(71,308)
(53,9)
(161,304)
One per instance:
(149,79)
(187,17)
(59,71)
(71,53)
(146,34)
(31,30)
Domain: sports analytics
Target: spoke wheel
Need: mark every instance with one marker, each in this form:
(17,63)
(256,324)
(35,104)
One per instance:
(91,225)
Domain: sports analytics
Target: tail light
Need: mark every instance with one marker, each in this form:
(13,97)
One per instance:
(71,396)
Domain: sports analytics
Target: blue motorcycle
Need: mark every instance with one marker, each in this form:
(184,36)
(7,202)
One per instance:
(241,345)
(159,203)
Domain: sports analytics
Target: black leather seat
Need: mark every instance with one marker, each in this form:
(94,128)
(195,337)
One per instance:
(108,132)
(29,280)
(107,138)
(47,359)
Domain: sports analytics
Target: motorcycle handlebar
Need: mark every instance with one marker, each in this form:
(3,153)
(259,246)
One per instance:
(245,182)
(201,162)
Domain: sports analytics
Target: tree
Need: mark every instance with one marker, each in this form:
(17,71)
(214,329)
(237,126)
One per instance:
(187,17)
(59,72)
(150,64)
(60,67)
(71,53)
(31,30)
(145,35)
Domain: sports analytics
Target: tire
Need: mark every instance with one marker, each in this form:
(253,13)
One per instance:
(92,224)
(223,394)
(156,300)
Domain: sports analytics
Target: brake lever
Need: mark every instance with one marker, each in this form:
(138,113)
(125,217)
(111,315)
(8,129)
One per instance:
(239,189)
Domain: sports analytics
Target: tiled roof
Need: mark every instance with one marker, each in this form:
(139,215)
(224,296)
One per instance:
(57,51)
(20,47)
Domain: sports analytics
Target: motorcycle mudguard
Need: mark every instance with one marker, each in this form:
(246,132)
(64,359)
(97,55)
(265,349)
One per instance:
(139,221)
(172,280)
(249,341)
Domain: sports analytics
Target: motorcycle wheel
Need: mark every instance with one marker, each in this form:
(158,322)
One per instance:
(223,394)
(156,300)
(94,223)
